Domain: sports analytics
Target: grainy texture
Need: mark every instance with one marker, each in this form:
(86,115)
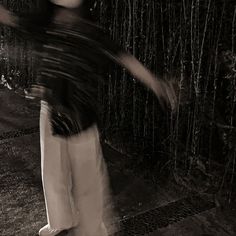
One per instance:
(189,42)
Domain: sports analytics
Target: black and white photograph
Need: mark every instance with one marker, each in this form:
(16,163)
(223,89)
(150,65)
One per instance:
(117,117)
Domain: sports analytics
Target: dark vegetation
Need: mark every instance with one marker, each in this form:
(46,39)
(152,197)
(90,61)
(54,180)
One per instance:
(191,43)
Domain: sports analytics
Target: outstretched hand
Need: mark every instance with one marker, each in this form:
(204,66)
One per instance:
(165,93)
(4,15)
(6,18)
(161,88)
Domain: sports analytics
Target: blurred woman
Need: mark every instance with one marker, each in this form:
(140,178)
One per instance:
(72,50)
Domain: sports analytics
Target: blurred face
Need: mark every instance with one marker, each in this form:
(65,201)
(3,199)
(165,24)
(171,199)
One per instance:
(67,3)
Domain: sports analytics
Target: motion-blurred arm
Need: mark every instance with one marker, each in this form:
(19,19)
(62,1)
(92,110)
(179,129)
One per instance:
(162,89)
(7,17)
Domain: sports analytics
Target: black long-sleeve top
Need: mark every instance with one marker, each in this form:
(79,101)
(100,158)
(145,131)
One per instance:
(70,59)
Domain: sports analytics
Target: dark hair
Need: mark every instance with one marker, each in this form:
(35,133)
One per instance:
(45,11)
(85,10)
(41,14)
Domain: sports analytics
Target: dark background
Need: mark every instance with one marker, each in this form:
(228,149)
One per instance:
(190,42)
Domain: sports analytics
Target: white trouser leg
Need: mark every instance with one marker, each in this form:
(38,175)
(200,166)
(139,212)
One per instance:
(74,180)
(88,182)
(56,176)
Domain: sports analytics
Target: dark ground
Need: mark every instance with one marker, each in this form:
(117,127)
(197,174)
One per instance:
(165,210)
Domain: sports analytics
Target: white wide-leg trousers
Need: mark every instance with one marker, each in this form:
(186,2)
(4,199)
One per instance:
(74,179)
